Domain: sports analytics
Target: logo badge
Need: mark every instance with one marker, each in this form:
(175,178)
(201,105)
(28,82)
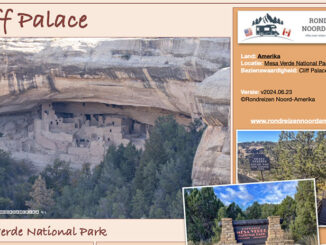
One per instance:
(267,26)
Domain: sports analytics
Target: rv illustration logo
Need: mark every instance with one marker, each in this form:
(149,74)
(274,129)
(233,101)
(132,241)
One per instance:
(267,26)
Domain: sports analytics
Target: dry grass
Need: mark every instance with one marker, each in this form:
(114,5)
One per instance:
(200,243)
(309,240)
(288,235)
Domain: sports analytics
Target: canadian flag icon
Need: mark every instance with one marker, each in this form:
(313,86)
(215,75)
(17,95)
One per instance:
(286,32)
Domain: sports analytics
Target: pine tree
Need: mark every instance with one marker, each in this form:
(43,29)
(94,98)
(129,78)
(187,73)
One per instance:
(138,204)
(171,179)
(14,188)
(201,211)
(41,197)
(233,211)
(305,221)
(175,209)
(268,210)
(287,211)
(57,175)
(254,211)
(166,165)
(301,156)
(217,229)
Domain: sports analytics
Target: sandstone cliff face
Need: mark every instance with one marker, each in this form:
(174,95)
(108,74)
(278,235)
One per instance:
(212,98)
(140,79)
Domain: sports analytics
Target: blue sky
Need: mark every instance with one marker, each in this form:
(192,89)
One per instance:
(246,195)
(249,136)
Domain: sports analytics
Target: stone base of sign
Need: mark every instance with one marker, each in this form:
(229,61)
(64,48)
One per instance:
(227,235)
(275,232)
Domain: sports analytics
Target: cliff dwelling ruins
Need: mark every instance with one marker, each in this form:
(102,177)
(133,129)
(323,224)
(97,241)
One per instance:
(76,132)
(70,99)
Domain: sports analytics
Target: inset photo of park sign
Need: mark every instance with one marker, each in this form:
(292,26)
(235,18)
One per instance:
(282,212)
(283,155)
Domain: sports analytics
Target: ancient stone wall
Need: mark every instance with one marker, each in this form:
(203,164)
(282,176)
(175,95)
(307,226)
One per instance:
(77,139)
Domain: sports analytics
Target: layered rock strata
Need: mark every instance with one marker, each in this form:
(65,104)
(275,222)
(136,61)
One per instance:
(86,85)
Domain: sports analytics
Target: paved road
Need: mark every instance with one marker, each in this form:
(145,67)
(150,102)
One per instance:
(245,179)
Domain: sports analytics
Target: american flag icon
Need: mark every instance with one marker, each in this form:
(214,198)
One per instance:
(248,32)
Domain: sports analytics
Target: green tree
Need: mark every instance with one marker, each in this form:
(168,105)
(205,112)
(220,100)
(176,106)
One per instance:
(138,203)
(175,209)
(254,211)
(79,198)
(166,165)
(201,211)
(305,221)
(287,211)
(233,211)
(171,179)
(57,175)
(222,213)
(5,203)
(114,181)
(301,155)
(268,210)
(15,187)
(115,205)
(217,229)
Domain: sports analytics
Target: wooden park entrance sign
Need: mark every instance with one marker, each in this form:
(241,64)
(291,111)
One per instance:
(248,232)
